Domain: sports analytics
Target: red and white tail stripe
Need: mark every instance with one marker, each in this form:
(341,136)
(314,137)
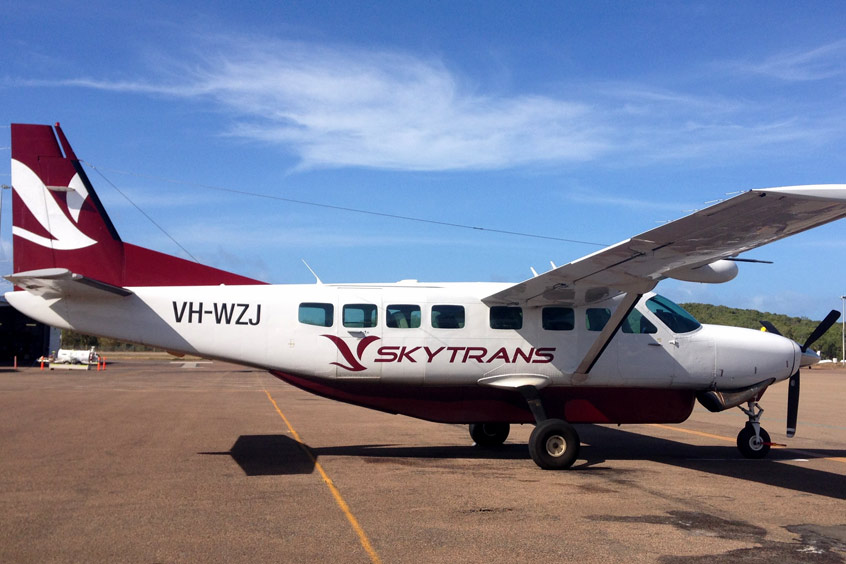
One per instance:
(59,222)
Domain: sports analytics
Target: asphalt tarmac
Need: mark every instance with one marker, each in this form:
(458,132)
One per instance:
(156,461)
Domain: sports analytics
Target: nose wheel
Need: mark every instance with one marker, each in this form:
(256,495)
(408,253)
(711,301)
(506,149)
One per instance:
(753,441)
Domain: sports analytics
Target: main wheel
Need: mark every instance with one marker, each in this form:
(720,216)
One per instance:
(489,434)
(554,445)
(751,446)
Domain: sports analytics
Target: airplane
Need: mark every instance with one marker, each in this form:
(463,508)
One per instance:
(586,342)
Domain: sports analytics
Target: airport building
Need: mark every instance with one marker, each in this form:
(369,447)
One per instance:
(23,337)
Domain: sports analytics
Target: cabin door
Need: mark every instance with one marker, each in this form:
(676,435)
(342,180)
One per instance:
(358,336)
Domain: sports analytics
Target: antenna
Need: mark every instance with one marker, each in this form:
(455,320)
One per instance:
(313,273)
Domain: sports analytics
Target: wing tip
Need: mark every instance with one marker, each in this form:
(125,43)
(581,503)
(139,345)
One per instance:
(815,191)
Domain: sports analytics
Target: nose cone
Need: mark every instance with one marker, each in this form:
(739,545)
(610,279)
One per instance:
(809,357)
(745,357)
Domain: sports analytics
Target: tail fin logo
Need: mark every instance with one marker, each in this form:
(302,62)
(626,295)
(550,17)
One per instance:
(38,198)
(354,361)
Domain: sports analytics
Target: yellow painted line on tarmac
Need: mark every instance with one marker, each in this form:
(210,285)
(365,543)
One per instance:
(691,432)
(362,536)
(805,453)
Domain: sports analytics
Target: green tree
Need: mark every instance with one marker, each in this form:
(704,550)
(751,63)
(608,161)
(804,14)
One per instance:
(74,340)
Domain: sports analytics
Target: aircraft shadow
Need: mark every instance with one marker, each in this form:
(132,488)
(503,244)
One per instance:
(608,444)
(277,455)
(505,452)
(268,455)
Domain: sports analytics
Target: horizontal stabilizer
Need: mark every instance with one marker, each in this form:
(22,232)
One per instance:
(51,283)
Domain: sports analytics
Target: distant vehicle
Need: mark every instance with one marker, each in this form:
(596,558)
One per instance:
(587,342)
(68,356)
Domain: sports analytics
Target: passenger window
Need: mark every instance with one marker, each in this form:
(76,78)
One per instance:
(321,315)
(360,315)
(597,318)
(448,317)
(637,323)
(558,318)
(506,317)
(403,316)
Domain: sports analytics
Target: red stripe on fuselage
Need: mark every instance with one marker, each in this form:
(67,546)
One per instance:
(479,404)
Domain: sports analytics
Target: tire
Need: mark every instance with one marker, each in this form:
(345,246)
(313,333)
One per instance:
(489,434)
(750,446)
(554,445)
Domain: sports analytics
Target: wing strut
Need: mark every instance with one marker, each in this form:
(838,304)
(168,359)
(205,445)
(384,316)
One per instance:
(623,310)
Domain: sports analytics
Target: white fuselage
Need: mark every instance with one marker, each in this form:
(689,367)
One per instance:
(273,327)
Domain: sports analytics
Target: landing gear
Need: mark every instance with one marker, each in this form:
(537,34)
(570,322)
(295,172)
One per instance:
(554,444)
(489,434)
(752,445)
(753,441)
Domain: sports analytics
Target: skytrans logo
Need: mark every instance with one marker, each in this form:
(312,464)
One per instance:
(354,361)
(452,355)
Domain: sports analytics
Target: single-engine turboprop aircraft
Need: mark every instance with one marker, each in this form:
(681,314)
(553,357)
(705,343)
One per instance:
(587,342)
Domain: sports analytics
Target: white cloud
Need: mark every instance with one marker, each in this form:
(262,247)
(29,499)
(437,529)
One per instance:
(655,124)
(345,106)
(818,63)
(353,107)
(260,238)
(593,196)
(5,250)
(148,199)
(392,111)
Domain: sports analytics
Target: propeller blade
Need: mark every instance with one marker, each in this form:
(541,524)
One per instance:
(770,328)
(792,404)
(824,326)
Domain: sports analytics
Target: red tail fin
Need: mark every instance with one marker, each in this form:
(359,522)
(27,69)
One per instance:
(59,222)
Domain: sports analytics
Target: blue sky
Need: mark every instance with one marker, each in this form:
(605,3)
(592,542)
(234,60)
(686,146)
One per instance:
(583,121)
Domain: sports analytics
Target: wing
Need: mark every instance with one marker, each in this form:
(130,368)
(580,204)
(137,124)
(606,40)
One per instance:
(52,283)
(676,249)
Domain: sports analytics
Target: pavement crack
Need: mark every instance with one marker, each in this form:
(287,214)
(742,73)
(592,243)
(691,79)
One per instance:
(817,544)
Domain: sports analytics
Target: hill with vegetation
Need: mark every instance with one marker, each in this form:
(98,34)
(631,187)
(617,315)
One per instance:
(796,328)
(79,341)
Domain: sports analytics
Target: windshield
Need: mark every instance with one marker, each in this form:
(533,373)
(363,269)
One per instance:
(673,316)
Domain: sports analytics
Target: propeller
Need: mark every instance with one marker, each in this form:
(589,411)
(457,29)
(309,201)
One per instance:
(793,390)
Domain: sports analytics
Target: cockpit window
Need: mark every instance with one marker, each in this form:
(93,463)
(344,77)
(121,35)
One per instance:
(673,316)
(637,323)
